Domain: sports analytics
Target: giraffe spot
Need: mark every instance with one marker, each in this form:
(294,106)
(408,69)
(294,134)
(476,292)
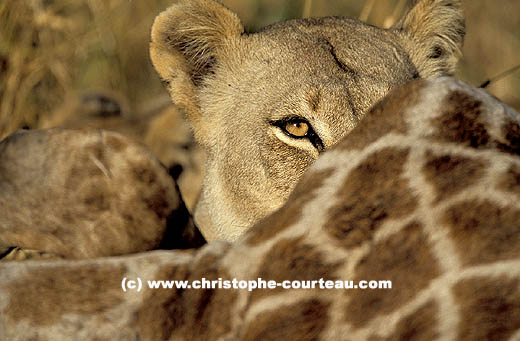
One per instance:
(385,117)
(203,314)
(161,311)
(210,310)
(158,203)
(461,121)
(450,174)
(406,259)
(292,211)
(155,198)
(82,168)
(510,181)
(291,259)
(303,321)
(97,198)
(116,143)
(421,325)
(44,296)
(97,150)
(144,173)
(483,231)
(490,308)
(511,133)
(372,193)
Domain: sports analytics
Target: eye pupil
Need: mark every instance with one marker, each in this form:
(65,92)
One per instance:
(298,129)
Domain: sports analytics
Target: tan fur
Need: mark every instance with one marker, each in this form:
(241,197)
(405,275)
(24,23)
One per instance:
(238,88)
(433,31)
(454,264)
(178,151)
(86,193)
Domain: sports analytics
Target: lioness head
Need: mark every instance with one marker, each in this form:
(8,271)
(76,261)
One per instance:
(265,105)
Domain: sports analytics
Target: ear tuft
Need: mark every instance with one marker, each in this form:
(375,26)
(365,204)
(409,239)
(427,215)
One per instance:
(195,30)
(187,40)
(433,33)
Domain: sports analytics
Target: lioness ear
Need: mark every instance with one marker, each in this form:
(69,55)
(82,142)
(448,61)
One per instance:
(433,33)
(187,40)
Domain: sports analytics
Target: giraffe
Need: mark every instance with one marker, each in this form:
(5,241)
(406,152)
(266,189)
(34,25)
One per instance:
(157,124)
(424,192)
(84,194)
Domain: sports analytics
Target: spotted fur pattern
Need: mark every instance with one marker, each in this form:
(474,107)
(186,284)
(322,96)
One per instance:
(84,194)
(424,192)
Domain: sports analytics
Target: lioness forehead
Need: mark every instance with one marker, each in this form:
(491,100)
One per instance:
(327,70)
(359,48)
(337,59)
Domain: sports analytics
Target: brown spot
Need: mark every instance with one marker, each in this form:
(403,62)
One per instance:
(158,203)
(44,295)
(385,117)
(78,173)
(161,312)
(203,314)
(209,311)
(461,121)
(511,133)
(373,193)
(510,182)
(300,321)
(484,231)
(96,150)
(95,198)
(450,174)
(144,173)
(489,307)
(291,212)
(406,259)
(116,143)
(290,259)
(83,169)
(419,325)
(67,217)
(154,194)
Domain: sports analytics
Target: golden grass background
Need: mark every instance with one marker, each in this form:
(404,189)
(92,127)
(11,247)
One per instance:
(53,49)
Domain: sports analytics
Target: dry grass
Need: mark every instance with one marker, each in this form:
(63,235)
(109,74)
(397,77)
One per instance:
(50,49)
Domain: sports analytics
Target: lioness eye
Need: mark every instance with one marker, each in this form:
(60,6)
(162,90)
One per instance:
(297,129)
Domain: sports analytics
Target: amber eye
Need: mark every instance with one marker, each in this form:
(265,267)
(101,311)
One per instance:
(297,129)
